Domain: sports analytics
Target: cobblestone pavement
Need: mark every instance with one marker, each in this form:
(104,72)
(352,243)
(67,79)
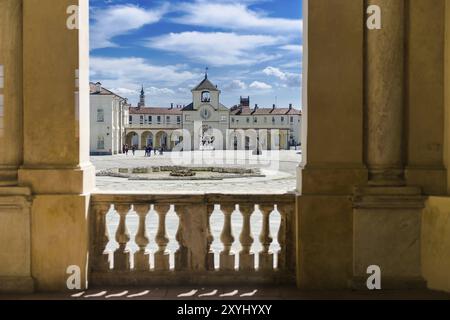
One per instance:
(279,168)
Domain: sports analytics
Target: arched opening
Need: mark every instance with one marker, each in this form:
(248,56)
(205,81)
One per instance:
(147,139)
(132,139)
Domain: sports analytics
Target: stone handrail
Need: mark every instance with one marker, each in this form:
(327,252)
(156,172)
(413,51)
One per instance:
(194,260)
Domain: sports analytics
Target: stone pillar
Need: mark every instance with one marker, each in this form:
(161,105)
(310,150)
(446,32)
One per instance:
(384,94)
(386,214)
(10,91)
(332,141)
(425,94)
(15,202)
(56,137)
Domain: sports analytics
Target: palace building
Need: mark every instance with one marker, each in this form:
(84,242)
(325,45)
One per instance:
(209,124)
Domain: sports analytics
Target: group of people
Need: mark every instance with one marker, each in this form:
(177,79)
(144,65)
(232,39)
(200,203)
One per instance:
(126,149)
(149,149)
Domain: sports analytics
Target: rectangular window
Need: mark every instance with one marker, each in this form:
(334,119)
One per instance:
(130,119)
(100,115)
(273,119)
(168,119)
(255,120)
(141,119)
(232,120)
(150,119)
(100,143)
(158,119)
(292,119)
(282,119)
(178,119)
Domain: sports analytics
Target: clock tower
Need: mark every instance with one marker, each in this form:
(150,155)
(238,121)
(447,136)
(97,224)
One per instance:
(205,94)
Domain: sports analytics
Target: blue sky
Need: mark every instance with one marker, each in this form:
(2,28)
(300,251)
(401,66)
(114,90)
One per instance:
(251,47)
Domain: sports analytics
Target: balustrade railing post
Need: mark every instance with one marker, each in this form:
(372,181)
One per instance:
(122,254)
(162,262)
(210,238)
(141,257)
(101,238)
(227,262)
(181,255)
(265,256)
(246,257)
(286,254)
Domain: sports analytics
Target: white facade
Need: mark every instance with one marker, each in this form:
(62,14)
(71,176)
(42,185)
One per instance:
(108,114)
(206,117)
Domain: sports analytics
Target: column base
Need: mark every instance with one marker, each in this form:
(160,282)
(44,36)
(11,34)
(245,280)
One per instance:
(390,283)
(16,285)
(387,234)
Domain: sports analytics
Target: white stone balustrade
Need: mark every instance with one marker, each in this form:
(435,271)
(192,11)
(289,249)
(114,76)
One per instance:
(194,261)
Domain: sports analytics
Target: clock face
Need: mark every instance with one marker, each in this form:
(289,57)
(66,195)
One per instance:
(204,113)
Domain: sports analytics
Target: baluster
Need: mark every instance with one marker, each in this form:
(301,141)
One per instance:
(162,255)
(122,254)
(246,257)
(283,258)
(226,237)
(141,257)
(265,257)
(181,255)
(210,238)
(101,258)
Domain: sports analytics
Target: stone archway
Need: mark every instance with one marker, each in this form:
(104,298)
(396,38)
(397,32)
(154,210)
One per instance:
(132,139)
(161,140)
(147,139)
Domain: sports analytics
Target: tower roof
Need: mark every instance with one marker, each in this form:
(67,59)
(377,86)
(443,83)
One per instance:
(205,85)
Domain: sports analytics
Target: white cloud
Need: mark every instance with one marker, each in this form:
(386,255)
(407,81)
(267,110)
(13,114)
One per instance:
(293,48)
(236,85)
(260,85)
(217,48)
(289,79)
(137,70)
(235,16)
(272,71)
(154,91)
(118,20)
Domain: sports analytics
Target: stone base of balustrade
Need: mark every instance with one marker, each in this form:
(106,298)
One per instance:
(181,278)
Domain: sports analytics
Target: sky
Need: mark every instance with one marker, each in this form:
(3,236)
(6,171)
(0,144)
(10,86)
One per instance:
(250,47)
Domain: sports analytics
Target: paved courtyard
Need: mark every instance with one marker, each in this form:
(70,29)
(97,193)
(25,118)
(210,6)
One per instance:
(279,168)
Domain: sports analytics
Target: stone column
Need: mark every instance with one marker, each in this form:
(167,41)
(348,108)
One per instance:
(386,213)
(384,94)
(10,91)
(56,137)
(15,201)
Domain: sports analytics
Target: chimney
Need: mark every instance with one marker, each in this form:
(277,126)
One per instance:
(256,106)
(98,87)
(290,106)
(273,106)
(171,106)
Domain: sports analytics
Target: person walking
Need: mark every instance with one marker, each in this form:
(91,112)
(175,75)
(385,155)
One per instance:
(126,149)
(134,150)
(150,150)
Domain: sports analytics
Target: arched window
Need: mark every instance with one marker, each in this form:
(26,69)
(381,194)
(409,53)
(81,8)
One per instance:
(206,96)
